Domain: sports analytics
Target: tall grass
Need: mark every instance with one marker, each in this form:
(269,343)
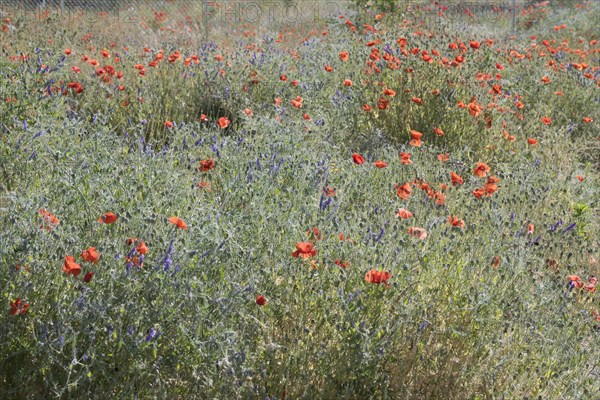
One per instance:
(483,311)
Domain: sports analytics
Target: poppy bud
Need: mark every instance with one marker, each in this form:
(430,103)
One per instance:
(261,301)
(88,277)
(358,159)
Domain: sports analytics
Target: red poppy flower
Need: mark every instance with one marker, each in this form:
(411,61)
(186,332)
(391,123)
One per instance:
(90,255)
(261,301)
(17,307)
(358,159)
(439,197)
(580,178)
(478,193)
(347,82)
(141,248)
(532,141)
(493,179)
(456,179)
(248,112)
(530,229)
(481,169)
(415,134)
(377,276)
(404,191)
(389,92)
(223,122)
(588,120)
(367,107)
(108,218)
(495,262)
(591,286)
(304,250)
(490,186)
(404,213)
(443,157)
(134,261)
(546,121)
(419,233)
(474,44)
(508,136)
(297,102)
(344,55)
(206,165)
(474,109)
(178,222)
(456,222)
(71,267)
(438,131)
(204,186)
(50,220)
(405,158)
(343,264)
(315,233)
(416,138)
(382,103)
(552,263)
(328,191)
(380,164)
(576,280)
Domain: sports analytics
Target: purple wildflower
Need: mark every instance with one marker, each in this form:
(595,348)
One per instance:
(152,334)
(168,258)
(570,227)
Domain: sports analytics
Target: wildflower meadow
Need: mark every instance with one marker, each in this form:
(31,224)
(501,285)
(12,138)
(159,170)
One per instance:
(295,200)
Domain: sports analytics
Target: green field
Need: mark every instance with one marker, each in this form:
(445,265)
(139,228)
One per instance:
(353,204)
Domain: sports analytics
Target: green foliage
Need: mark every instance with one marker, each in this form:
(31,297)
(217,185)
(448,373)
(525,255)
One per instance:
(483,311)
(377,5)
